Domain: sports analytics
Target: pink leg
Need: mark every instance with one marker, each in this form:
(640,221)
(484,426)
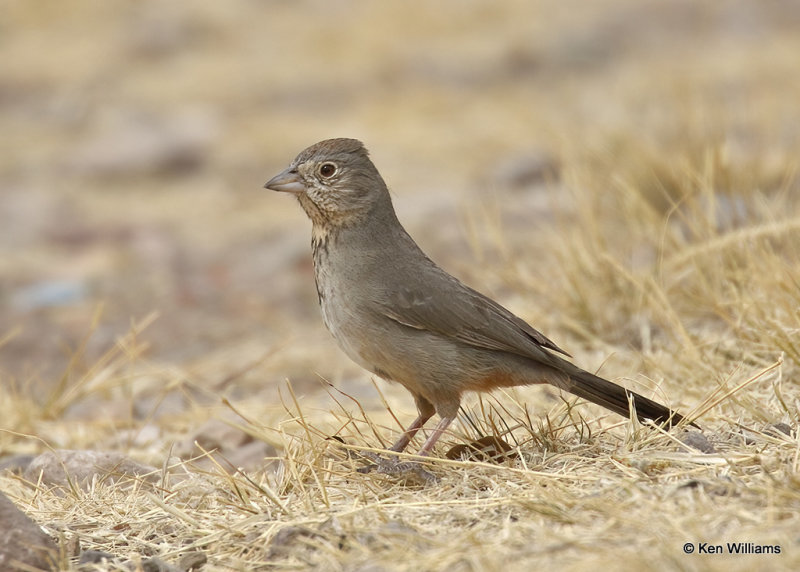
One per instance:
(409,433)
(393,466)
(427,447)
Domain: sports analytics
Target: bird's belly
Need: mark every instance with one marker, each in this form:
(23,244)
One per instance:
(418,360)
(355,337)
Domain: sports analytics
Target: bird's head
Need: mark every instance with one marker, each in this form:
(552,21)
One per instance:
(334,180)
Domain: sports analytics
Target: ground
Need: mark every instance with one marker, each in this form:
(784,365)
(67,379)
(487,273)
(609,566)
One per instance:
(622,174)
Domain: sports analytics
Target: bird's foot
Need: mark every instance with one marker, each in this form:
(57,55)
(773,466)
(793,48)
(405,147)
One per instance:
(393,466)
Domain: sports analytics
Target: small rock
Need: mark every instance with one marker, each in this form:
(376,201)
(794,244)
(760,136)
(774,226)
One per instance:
(95,557)
(156,565)
(62,466)
(192,561)
(288,539)
(697,440)
(779,428)
(22,540)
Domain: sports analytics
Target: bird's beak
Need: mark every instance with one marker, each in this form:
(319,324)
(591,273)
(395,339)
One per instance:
(288,181)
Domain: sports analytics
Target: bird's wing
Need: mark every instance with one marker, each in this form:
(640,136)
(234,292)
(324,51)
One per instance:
(457,311)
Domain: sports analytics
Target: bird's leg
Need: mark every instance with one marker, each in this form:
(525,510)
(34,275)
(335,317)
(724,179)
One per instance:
(409,433)
(401,444)
(392,466)
(427,447)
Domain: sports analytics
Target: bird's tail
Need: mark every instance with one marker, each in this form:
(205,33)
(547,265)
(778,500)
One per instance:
(615,397)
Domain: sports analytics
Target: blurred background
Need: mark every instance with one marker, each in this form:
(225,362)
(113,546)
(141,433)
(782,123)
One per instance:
(136,137)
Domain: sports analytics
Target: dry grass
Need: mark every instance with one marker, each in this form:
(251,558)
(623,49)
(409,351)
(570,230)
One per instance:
(707,314)
(667,249)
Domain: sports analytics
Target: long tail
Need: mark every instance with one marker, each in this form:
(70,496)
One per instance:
(615,397)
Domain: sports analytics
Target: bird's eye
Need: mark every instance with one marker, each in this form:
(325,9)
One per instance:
(327,170)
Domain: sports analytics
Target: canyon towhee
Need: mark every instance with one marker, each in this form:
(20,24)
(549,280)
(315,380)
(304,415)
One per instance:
(400,316)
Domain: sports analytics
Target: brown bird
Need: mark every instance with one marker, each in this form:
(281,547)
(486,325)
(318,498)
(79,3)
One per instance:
(400,316)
